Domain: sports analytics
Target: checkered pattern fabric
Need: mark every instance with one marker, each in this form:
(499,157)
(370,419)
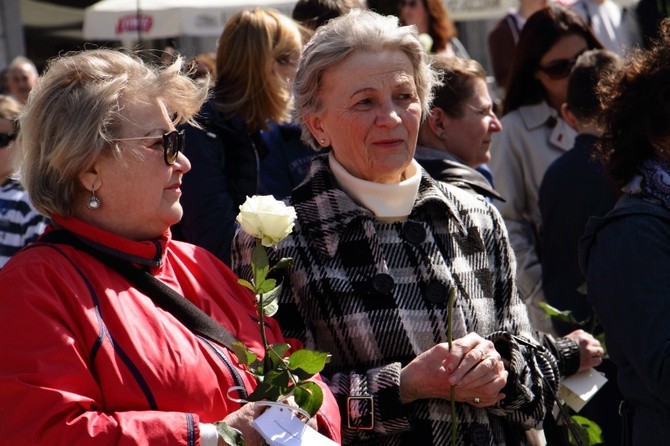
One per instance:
(374,295)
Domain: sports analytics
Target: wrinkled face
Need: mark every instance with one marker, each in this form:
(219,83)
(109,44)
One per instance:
(414,12)
(469,136)
(562,54)
(138,190)
(20,80)
(370,114)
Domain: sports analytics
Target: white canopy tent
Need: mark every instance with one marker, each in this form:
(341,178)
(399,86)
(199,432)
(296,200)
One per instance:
(158,19)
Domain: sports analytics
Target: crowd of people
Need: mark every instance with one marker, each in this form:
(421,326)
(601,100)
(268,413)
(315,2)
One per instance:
(433,226)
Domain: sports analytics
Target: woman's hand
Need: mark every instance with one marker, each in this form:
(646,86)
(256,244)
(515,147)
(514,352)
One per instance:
(591,351)
(241,420)
(473,366)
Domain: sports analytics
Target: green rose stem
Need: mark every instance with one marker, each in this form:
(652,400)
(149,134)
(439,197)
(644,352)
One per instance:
(450,336)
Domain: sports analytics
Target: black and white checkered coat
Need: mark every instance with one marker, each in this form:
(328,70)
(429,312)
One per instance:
(373,294)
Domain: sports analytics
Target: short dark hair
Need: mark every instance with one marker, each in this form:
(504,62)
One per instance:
(458,83)
(315,13)
(583,100)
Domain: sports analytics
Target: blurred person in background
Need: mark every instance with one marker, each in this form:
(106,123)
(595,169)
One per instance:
(534,134)
(256,60)
(432,19)
(504,35)
(20,223)
(21,77)
(608,23)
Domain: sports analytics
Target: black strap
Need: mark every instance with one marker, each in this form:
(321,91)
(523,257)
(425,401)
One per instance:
(163,296)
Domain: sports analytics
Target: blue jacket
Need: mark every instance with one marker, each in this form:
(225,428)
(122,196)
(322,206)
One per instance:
(288,159)
(225,162)
(626,259)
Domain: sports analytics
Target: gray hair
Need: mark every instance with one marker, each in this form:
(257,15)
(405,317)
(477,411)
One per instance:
(76,111)
(359,30)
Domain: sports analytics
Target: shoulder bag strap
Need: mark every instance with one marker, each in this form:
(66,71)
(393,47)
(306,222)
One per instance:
(163,296)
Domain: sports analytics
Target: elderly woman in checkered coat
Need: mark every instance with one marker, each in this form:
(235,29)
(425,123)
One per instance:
(379,246)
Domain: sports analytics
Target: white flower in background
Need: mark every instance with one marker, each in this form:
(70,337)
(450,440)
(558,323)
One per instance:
(426,42)
(266,218)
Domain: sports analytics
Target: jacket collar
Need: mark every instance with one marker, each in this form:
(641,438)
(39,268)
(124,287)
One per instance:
(538,115)
(326,213)
(146,253)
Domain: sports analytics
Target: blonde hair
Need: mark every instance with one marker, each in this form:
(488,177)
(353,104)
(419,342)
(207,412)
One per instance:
(76,111)
(251,41)
(9,108)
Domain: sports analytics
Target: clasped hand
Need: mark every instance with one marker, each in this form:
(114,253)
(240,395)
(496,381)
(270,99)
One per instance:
(472,366)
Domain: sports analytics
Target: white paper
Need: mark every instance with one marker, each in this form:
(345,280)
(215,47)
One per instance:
(578,389)
(280,426)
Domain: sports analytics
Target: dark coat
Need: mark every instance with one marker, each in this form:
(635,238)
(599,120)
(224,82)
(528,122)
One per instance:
(626,256)
(225,165)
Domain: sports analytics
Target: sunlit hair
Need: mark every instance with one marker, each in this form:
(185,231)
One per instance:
(359,30)
(542,30)
(9,108)
(76,111)
(246,85)
(458,83)
(635,102)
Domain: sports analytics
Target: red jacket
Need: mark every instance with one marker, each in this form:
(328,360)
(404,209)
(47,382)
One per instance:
(87,359)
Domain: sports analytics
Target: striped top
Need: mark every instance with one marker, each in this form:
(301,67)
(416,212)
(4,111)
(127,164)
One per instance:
(20,223)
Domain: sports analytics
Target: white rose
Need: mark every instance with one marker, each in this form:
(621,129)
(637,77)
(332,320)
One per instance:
(268,219)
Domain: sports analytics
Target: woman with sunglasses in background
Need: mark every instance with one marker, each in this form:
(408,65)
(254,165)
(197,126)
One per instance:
(256,60)
(20,223)
(534,135)
(431,18)
(91,354)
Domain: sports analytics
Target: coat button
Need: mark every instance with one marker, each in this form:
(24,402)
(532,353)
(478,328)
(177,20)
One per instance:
(413,232)
(478,435)
(382,283)
(437,292)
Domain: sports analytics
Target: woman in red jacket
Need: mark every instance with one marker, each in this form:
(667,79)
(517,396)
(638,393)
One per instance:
(88,357)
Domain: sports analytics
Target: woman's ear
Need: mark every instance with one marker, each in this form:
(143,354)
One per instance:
(315,125)
(438,122)
(90,179)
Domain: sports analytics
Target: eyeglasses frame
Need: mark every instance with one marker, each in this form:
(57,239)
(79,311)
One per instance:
(179,144)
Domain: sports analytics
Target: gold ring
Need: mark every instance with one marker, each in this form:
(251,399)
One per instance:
(477,400)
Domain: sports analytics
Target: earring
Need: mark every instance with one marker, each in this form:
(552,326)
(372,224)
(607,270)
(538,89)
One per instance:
(322,141)
(442,135)
(93,202)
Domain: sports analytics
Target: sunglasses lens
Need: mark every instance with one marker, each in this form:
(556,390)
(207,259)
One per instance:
(5,139)
(559,70)
(173,144)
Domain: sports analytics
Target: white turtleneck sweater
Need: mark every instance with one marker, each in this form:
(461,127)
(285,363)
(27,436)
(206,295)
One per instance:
(386,201)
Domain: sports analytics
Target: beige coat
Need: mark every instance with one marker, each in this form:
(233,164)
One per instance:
(520,155)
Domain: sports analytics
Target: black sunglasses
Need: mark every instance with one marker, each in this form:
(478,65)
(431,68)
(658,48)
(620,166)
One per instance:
(6,138)
(560,68)
(173,143)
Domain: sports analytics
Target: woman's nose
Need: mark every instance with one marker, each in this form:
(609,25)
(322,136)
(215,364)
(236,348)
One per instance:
(387,115)
(182,162)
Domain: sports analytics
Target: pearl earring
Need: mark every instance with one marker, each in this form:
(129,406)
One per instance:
(322,141)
